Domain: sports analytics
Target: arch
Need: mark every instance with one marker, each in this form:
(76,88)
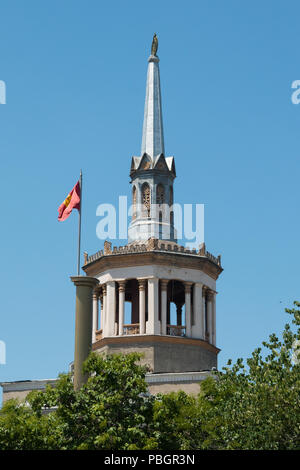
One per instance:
(171,196)
(160,194)
(176,302)
(134,203)
(146,200)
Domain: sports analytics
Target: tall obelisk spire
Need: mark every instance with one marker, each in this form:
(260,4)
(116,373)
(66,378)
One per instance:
(153,134)
(152,173)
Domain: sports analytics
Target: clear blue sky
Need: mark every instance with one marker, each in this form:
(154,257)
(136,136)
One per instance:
(75,73)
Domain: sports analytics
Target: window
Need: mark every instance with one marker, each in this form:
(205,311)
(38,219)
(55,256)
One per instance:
(146,201)
(171,196)
(160,194)
(134,202)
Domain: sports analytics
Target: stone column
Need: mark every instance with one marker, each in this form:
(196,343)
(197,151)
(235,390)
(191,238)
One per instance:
(153,326)
(142,306)
(214,330)
(198,328)
(164,287)
(101,311)
(188,325)
(110,307)
(203,312)
(121,306)
(104,310)
(209,296)
(83,325)
(95,314)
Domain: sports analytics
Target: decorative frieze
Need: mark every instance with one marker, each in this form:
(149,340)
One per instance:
(153,244)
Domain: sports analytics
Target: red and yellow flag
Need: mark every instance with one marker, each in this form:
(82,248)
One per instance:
(71,202)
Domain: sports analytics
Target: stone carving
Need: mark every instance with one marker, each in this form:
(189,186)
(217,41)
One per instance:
(85,255)
(202,249)
(107,247)
(146,199)
(145,164)
(152,244)
(154,46)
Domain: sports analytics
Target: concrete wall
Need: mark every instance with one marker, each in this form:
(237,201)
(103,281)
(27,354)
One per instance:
(164,354)
(158,383)
(19,390)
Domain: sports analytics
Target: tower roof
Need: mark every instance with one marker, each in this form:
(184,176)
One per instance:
(153,134)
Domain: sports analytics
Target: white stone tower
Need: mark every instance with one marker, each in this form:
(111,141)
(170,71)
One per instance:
(155,275)
(152,174)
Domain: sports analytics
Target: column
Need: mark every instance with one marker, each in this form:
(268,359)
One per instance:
(214,330)
(153,326)
(101,311)
(95,314)
(209,296)
(110,307)
(121,306)
(83,325)
(163,303)
(142,305)
(104,311)
(198,328)
(204,328)
(188,326)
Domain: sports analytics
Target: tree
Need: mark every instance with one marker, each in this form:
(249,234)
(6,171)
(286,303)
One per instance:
(252,406)
(257,407)
(111,411)
(22,429)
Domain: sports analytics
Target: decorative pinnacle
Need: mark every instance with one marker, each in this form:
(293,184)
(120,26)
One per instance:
(154,46)
(153,135)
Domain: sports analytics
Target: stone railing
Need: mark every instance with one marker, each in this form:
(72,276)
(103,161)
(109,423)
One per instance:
(175,330)
(132,329)
(152,244)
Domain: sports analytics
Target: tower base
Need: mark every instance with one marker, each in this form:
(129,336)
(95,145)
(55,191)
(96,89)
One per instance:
(163,354)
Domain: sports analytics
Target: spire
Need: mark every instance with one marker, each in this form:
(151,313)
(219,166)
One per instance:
(153,134)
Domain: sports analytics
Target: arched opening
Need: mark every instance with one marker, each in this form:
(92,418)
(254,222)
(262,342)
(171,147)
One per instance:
(171,196)
(127,312)
(160,224)
(133,203)
(171,212)
(146,200)
(175,313)
(132,324)
(160,194)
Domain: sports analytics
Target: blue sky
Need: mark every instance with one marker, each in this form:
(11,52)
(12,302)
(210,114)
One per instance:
(75,74)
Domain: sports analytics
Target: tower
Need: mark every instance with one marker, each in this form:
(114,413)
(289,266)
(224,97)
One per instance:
(171,290)
(152,174)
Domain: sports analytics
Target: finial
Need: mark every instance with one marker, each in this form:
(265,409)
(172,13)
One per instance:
(154,46)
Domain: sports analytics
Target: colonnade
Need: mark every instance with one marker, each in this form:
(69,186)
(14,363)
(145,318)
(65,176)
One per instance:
(153,311)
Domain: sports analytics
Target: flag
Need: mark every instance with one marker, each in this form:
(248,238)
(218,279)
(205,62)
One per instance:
(71,202)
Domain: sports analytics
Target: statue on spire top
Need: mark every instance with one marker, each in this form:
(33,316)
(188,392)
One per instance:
(154,46)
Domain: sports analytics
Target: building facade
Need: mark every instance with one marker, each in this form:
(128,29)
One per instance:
(153,273)
(170,289)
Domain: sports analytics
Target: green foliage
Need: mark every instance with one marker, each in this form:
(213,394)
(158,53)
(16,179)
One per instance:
(21,429)
(176,421)
(246,406)
(111,411)
(256,407)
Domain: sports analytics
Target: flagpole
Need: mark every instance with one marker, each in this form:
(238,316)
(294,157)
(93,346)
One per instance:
(79,224)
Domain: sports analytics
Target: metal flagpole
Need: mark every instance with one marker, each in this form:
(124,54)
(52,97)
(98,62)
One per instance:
(79,224)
